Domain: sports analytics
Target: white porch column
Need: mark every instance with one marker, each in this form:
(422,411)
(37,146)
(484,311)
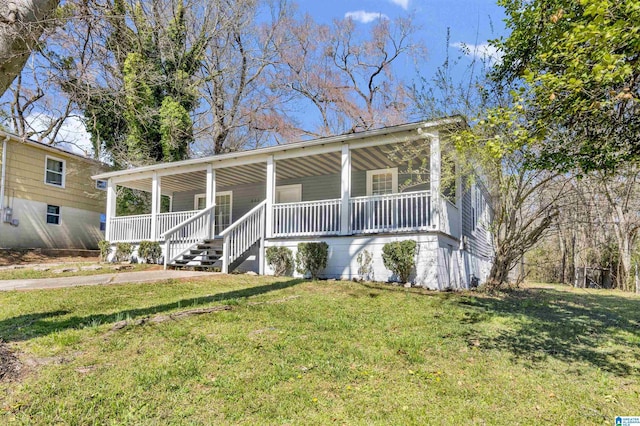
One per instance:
(155,205)
(211,197)
(270,196)
(435,158)
(111,208)
(345,193)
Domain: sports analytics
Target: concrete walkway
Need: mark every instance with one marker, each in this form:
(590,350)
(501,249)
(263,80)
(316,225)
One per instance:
(102,279)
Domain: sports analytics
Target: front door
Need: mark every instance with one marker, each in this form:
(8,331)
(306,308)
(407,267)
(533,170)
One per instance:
(222,211)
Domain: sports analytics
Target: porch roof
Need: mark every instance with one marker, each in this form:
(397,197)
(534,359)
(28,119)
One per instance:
(305,158)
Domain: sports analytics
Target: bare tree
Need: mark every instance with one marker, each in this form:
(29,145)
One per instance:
(615,202)
(22,22)
(346,77)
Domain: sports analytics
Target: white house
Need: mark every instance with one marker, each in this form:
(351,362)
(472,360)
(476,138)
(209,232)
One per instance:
(355,192)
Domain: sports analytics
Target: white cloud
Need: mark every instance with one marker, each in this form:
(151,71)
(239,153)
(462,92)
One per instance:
(483,52)
(365,17)
(73,135)
(402,3)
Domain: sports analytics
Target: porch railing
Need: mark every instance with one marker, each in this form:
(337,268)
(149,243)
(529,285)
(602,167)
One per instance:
(242,234)
(182,237)
(129,229)
(166,221)
(409,211)
(307,218)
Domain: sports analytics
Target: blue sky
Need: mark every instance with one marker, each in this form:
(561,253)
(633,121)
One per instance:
(471,22)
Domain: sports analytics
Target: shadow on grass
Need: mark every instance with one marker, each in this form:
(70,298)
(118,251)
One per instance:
(25,327)
(599,329)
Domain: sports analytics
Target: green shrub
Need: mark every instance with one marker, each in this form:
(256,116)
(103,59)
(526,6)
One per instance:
(123,252)
(105,249)
(399,258)
(150,251)
(311,257)
(280,259)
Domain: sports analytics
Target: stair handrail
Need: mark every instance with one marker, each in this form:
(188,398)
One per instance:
(168,235)
(188,221)
(231,253)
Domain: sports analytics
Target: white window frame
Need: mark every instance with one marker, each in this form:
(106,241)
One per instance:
(101,185)
(197,197)
(394,179)
(64,171)
(230,194)
(296,186)
(59,215)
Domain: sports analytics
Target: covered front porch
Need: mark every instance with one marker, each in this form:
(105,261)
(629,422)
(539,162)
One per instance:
(348,186)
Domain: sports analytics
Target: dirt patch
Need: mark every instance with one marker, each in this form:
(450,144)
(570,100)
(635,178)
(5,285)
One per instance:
(10,366)
(28,256)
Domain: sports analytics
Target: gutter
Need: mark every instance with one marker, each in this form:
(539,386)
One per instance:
(4,172)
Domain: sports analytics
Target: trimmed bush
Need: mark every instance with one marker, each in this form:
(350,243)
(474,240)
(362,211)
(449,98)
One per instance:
(105,249)
(123,252)
(399,258)
(280,259)
(150,251)
(311,258)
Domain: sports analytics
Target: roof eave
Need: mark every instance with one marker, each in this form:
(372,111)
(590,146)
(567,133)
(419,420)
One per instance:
(344,138)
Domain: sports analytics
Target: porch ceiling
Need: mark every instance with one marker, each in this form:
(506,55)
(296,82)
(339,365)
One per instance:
(192,181)
(370,158)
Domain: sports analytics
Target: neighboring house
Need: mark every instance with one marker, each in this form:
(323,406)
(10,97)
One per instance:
(356,192)
(47,197)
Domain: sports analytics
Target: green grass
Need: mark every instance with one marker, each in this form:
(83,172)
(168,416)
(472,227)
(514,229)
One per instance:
(29,273)
(321,353)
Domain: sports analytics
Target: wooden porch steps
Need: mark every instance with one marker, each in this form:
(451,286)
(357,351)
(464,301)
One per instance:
(206,254)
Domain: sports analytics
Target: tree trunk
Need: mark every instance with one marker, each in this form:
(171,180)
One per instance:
(21,24)
(563,255)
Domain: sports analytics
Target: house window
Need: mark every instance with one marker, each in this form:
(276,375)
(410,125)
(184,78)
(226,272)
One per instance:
(289,193)
(54,171)
(103,222)
(53,215)
(200,202)
(101,185)
(381,182)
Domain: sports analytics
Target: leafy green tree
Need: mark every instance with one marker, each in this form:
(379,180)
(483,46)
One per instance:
(156,92)
(578,63)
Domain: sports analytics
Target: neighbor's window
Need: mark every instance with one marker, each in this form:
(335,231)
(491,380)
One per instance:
(54,173)
(101,184)
(53,215)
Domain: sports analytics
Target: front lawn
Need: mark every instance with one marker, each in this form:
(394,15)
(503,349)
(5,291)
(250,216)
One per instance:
(329,352)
